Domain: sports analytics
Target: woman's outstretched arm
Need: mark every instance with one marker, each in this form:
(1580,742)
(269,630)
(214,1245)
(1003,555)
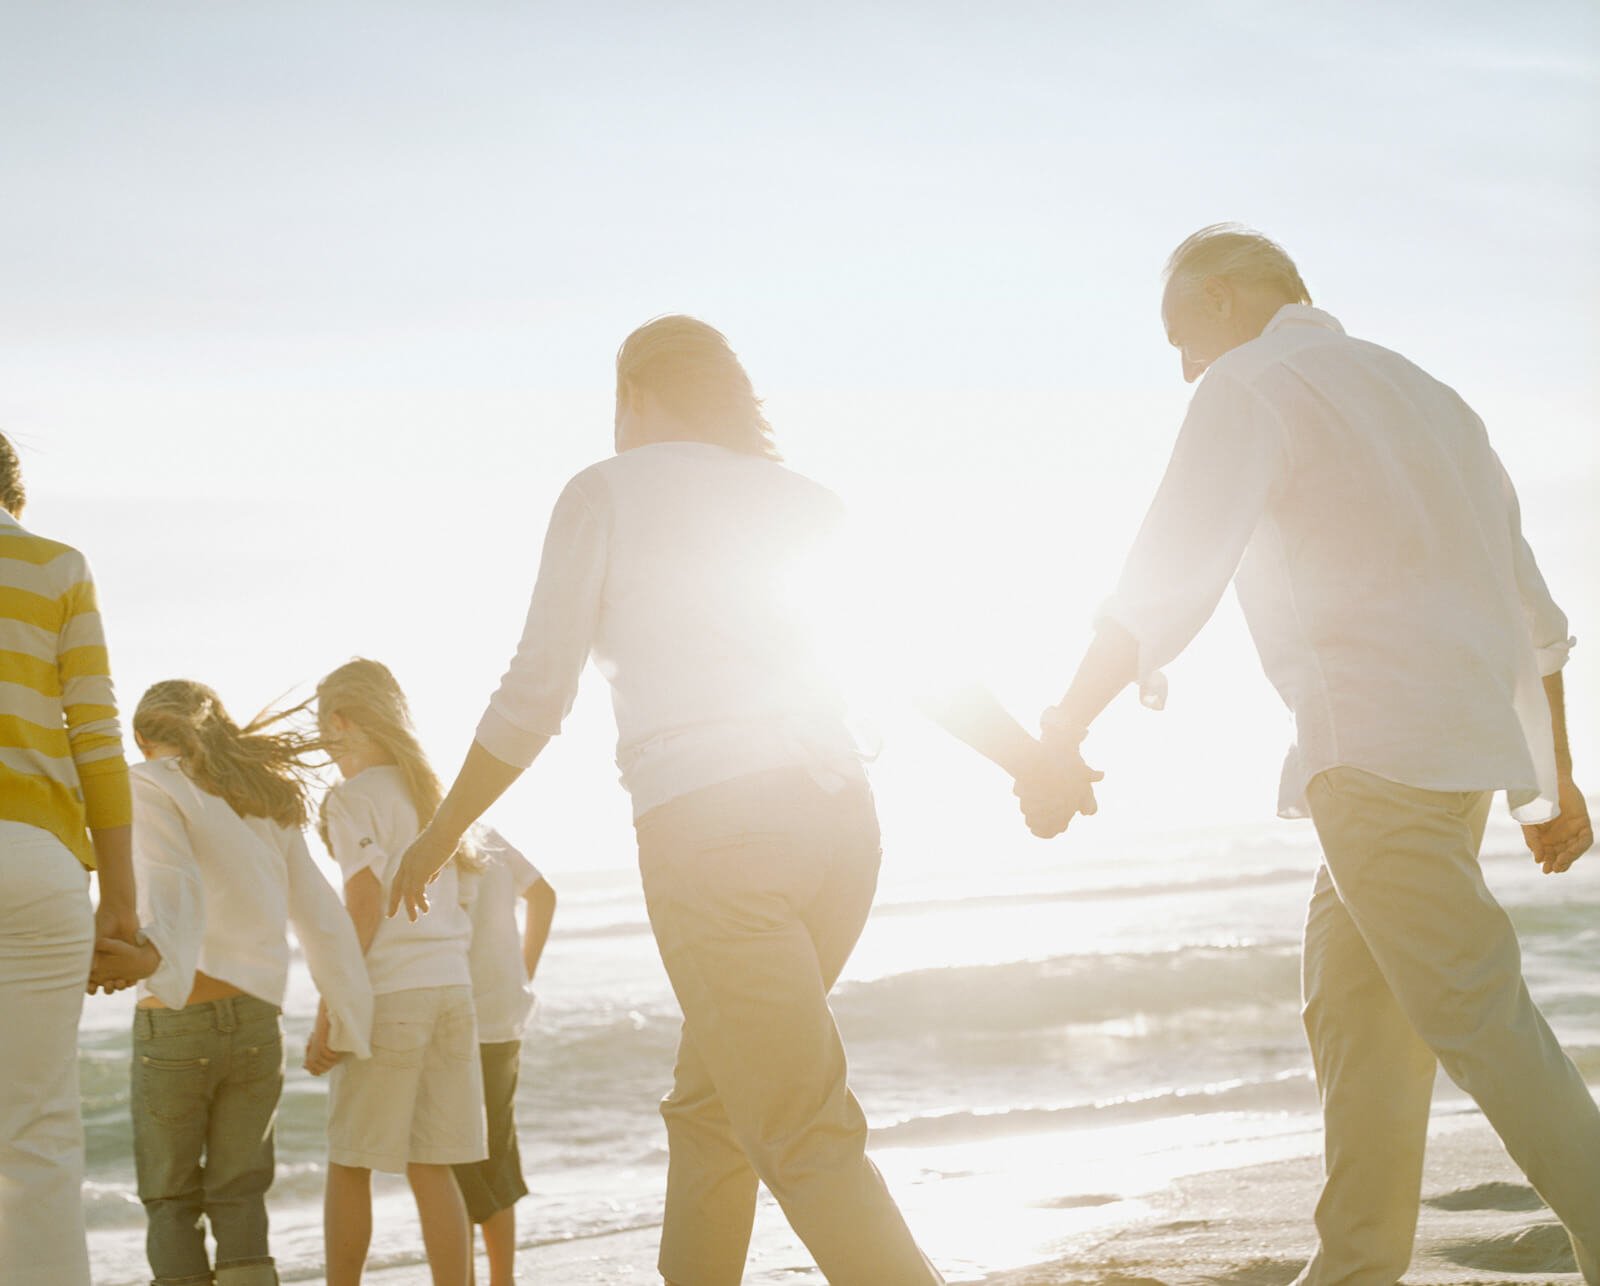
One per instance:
(481,781)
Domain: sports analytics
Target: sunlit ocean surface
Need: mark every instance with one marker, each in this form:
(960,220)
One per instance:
(1036,1042)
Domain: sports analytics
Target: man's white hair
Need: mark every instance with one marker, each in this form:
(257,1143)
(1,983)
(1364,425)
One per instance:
(1237,252)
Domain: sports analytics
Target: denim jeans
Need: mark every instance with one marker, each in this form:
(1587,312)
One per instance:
(206,1081)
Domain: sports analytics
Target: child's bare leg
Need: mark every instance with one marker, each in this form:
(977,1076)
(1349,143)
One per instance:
(446,1234)
(500,1243)
(347,1223)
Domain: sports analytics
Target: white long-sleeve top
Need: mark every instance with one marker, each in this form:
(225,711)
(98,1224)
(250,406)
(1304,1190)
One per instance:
(675,566)
(217,893)
(1376,546)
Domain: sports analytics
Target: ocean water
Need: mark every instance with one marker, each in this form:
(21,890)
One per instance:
(1036,1041)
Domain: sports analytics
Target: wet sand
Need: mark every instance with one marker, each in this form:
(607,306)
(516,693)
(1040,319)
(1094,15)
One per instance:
(1250,1226)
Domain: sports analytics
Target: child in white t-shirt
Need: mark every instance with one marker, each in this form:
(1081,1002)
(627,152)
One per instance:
(416,1106)
(503,963)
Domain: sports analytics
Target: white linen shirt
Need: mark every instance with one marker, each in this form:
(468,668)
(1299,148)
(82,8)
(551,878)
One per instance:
(501,992)
(371,823)
(217,892)
(674,565)
(1376,546)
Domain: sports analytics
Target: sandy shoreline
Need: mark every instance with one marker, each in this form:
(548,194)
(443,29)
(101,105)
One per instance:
(1249,1226)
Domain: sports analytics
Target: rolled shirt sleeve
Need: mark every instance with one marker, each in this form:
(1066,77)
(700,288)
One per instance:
(538,689)
(171,904)
(333,954)
(1547,623)
(1230,458)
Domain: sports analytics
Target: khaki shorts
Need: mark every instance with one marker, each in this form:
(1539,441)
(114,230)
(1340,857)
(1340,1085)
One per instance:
(419,1098)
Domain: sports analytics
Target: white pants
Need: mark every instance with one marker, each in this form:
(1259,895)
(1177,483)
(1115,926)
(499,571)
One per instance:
(1411,963)
(46,939)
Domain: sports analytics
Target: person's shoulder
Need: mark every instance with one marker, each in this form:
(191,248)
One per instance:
(160,777)
(66,561)
(372,788)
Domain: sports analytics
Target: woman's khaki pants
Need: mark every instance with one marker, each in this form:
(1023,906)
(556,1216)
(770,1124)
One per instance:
(757,890)
(46,939)
(1409,961)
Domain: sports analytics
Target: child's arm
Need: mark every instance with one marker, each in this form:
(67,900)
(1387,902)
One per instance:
(363,898)
(332,952)
(541,899)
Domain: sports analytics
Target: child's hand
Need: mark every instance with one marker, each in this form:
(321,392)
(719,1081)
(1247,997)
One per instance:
(118,964)
(319,1057)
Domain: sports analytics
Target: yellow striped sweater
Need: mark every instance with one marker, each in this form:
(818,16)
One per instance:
(61,764)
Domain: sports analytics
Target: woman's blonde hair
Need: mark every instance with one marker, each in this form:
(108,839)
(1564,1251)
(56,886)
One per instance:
(256,772)
(13,495)
(366,693)
(691,369)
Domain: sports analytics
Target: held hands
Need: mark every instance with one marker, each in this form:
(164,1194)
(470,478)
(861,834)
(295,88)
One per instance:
(120,959)
(419,867)
(118,964)
(320,1058)
(1557,844)
(1053,787)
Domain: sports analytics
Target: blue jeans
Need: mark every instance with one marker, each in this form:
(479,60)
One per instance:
(206,1081)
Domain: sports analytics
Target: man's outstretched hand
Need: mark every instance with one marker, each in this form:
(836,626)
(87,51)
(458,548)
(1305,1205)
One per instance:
(1054,788)
(1557,844)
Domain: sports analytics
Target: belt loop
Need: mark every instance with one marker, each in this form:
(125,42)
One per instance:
(227,1020)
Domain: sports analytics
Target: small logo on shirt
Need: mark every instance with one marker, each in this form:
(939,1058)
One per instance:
(365,841)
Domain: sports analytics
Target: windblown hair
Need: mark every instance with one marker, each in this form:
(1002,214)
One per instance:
(1237,252)
(691,369)
(13,495)
(256,772)
(366,693)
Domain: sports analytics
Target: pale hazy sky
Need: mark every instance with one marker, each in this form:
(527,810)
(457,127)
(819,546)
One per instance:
(309,310)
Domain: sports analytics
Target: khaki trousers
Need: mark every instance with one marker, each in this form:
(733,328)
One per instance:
(1409,961)
(46,939)
(757,890)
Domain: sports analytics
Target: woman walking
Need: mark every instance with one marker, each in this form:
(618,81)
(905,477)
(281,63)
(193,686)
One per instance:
(671,563)
(64,811)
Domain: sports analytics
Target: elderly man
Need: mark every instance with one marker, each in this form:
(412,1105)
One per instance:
(1377,549)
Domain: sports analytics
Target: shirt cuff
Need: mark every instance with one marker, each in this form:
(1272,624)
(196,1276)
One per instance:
(1152,682)
(171,983)
(1553,656)
(506,741)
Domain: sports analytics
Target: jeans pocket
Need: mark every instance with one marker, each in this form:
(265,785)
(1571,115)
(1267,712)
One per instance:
(258,1058)
(170,1090)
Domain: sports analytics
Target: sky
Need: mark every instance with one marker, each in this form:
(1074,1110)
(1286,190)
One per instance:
(309,311)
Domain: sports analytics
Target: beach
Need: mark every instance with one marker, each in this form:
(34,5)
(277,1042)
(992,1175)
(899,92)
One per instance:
(1480,1223)
(1074,1072)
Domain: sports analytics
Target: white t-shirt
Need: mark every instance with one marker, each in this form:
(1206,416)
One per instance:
(371,823)
(501,992)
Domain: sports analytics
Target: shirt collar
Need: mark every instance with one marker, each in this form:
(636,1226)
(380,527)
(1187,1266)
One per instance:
(1303,314)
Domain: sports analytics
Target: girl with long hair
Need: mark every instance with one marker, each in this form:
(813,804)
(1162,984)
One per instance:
(417,1106)
(671,563)
(220,850)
